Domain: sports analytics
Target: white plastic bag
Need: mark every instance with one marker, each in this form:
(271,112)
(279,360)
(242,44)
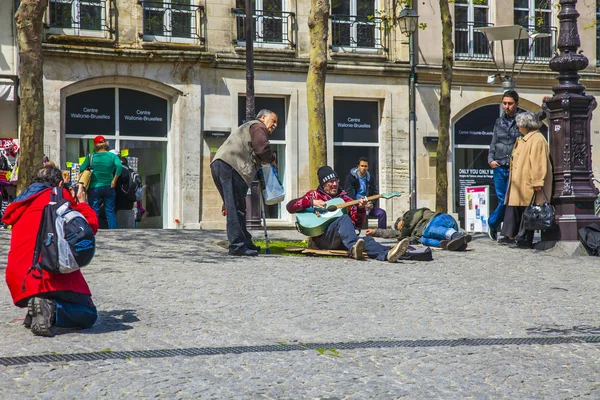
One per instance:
(273,192)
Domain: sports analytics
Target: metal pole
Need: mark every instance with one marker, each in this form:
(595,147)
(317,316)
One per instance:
(249,32)
(412,128)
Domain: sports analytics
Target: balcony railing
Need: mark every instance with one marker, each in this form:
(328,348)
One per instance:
(79,17)
(471,44)
(270,27)
(542,50)
(177,20)
(357,32)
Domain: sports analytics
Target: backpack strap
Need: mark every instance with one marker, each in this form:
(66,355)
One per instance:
(35,270)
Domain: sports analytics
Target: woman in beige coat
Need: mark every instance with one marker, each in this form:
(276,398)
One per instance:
(530,171)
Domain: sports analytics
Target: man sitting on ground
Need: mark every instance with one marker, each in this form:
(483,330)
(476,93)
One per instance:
(360,183)
(62,300)
(340,233)
(428,227)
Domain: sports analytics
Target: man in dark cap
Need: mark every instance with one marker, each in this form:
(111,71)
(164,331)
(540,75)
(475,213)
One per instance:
(341,234)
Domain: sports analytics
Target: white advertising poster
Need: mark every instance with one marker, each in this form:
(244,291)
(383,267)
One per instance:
(477,200)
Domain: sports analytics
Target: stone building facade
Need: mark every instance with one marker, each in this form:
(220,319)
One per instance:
(166,79)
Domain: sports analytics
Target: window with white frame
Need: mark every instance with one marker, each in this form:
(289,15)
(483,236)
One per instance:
(176,20)
(355,25)
(77,17)
(468,16)
(535,16)
(271,24)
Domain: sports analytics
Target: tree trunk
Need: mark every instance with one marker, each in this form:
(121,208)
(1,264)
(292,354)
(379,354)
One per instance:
(441,174)
(28,19)
(318,21)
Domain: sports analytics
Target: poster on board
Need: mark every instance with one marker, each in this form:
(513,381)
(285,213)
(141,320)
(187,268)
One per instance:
(477,201)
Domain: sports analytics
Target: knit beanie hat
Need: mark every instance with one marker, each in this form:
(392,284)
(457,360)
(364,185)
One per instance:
(326,173)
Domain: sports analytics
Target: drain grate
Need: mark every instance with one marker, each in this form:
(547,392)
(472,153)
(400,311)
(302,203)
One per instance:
(209,351)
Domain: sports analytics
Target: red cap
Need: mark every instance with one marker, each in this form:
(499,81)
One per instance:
(99,139)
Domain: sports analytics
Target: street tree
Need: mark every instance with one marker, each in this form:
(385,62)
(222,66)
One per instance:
(29,25)
(315,87)
(441,174)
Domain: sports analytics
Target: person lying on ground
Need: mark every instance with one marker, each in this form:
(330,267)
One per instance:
(427,227)
(341,234)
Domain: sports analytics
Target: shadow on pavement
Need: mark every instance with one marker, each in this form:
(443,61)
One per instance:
(112,321)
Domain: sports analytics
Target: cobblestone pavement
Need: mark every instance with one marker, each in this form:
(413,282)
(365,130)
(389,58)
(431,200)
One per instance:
(176,290)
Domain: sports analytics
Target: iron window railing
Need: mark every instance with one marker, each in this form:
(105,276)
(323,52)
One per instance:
(275,27)
(78,15)
(357,32)
(177,19)
(471,44)
(542,49)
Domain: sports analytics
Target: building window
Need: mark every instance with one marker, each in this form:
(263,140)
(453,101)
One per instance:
(133,122)
(535,16)
(355,135)
(78,17)
(277,140)
(271,24)
(468,16)
(176,21)
(354,26)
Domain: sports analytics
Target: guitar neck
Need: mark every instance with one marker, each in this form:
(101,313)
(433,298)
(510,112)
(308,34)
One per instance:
(355,202)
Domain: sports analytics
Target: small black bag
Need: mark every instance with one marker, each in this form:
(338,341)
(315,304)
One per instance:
(417,254)
(589,236)
(538,218)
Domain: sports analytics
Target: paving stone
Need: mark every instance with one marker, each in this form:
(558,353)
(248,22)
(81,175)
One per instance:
(173,289)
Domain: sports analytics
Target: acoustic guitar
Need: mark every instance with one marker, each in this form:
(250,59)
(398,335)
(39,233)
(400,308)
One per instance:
(314,221)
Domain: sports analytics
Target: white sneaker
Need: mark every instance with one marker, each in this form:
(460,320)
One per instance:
(358,249)
(396,251)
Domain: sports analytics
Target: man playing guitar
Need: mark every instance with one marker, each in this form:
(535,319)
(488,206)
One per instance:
(340,233)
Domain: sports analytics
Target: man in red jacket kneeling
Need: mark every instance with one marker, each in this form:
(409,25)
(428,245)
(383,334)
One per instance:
(62,300)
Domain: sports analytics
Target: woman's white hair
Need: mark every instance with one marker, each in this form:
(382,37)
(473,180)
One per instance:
(528,120)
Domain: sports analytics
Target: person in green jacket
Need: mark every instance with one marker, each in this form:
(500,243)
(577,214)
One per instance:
(106,168)
(428,227)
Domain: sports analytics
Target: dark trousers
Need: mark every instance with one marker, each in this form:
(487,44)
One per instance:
(381,216)
(513,226)
(501,175)
(340,235)
(233,190)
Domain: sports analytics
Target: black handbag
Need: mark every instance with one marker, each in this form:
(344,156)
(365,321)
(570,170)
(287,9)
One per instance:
(538,218)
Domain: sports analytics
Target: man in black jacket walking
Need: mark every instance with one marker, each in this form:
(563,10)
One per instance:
(503,140)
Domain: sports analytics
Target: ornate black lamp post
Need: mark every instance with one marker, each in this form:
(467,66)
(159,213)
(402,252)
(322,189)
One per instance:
(569,113)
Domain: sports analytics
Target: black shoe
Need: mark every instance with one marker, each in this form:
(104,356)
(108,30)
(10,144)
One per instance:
(458,243)
(43,316)
(505,240)
(252,246)
(244,252)
(520,245)
(27,321)
(493,234)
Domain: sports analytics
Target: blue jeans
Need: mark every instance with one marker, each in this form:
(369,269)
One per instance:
(441,227)
(340,234)
(73,310)
(233,191)
(107,195)
(501,176)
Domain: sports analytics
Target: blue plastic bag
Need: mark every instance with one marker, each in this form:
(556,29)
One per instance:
(273,192)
